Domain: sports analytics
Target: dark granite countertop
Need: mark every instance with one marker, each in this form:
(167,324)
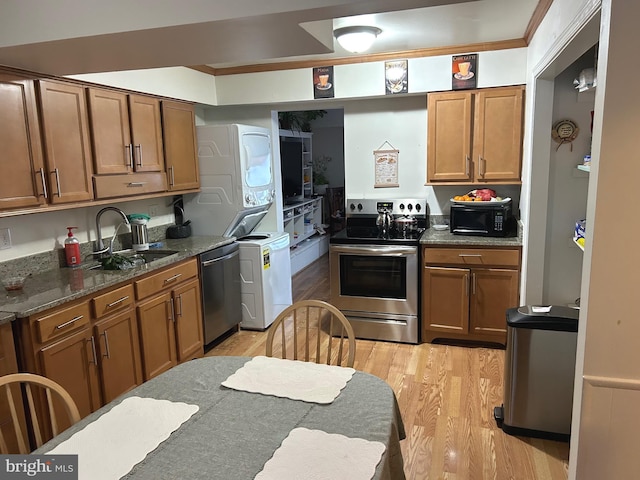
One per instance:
(54,287)
(431,236)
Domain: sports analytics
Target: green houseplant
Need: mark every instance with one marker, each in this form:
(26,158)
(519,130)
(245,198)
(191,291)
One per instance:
(320,180)
(299,121)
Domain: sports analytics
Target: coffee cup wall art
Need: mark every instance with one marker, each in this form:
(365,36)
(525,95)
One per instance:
(395,77)
(464,71)
(323,82)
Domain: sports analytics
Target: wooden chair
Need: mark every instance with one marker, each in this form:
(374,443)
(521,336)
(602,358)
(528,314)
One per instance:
(311,329)
(50,387)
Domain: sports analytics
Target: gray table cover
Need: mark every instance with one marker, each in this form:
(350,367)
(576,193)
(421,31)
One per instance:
(234,433)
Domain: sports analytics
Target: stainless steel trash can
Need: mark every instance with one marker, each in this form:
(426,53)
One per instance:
(539,372)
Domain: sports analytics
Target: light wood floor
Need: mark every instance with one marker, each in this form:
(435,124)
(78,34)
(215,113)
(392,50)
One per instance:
(446,395)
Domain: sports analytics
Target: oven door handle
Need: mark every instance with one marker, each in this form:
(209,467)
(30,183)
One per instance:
(378,250)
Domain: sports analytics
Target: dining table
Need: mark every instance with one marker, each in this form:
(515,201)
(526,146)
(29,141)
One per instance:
(230,433)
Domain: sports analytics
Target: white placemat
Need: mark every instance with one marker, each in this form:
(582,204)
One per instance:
(306,381)
(317,455)
(111,446)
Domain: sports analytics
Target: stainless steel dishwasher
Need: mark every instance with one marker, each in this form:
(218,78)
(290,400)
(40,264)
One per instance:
(220,283)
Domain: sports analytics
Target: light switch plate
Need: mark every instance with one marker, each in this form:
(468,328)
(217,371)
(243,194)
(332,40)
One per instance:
(5,238)
(153,210)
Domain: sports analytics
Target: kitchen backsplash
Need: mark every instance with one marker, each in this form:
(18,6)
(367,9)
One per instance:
(56,259)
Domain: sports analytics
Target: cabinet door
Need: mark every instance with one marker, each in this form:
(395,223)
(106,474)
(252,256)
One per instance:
(188,315)
(497,138)
(119,352)
(146,132)
(110,132)
(72,363)
(493,291)
(22,175)
(445,301)
(157,335)
(179,128)
(449,137)
(65,130)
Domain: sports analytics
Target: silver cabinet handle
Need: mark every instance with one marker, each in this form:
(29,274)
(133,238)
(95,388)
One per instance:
(57,174)
(482,164)
(106,344)
(173,317)
(467,170)
(172,179)
(473,283)
(466,284)
(44,184)
(136,184)
(172,279)
(129,154)
(73,320)
(93,351)
(120,300)
(139,148)
(180,304)
(470,255)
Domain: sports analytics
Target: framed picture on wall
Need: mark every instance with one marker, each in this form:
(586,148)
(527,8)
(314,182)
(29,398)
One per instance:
(464,71)
(323,82)
(395,77)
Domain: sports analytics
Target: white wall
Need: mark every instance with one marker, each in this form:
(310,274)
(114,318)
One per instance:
(43,232)
(568,187)
(177,82)
(362,80)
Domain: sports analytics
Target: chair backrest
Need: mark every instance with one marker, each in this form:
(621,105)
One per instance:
(51,390)
(310,330)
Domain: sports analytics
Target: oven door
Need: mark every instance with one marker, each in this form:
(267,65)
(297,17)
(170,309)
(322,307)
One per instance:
(381,279)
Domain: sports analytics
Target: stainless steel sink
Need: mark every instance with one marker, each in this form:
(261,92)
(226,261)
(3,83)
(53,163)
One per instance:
(139,258)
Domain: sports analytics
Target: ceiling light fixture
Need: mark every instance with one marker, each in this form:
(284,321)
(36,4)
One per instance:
(356,39)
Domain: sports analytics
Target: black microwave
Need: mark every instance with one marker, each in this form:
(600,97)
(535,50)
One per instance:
(490,219)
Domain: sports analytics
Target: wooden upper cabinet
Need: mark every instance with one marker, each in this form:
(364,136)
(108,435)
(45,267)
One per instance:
(22,175)
(449,137)
(497,137)
(146,133)
(475,136)
(65,132)
(111,134)
(180,145)
(126,132)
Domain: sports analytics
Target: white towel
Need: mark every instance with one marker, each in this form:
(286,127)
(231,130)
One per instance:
(316,455)
(309,382)
(112,445)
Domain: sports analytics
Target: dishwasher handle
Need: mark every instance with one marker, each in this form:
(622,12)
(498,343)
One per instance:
(206,263)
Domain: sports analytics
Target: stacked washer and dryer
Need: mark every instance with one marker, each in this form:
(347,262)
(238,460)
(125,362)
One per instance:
(236,191)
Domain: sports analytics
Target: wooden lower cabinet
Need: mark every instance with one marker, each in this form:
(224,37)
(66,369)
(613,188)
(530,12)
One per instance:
(72,362)
(466,293)
(119,354)
(189,329)
(170,322)
(158,335)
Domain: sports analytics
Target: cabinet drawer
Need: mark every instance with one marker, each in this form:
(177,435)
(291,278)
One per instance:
(472,256)
(109,186)
(113,301)
(166,278)
(62,321)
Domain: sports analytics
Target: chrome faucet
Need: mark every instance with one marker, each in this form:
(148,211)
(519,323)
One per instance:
(99,243)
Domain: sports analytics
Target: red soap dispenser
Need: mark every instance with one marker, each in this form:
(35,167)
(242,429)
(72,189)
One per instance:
(72,249)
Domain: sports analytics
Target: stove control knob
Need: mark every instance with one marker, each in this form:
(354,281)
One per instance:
(401,206)
(410,207)
(418,207)
(359,207)
(352,207)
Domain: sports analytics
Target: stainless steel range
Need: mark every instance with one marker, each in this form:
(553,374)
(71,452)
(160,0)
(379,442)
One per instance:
(374,267)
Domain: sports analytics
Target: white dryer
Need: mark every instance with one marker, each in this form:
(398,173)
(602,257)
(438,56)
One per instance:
(265,278)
